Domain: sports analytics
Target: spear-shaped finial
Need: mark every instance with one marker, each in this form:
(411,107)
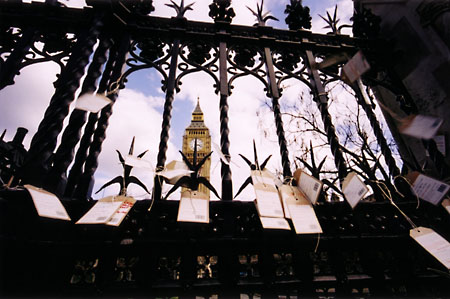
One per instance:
(180,9)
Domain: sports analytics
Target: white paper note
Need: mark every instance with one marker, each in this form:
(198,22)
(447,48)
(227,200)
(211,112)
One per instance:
(47,204)
(123,210)
(433,243)
(102,211)
(274,223)
(194,207)
(262,177)
(304,219)
(356,67)
(421,126)
(440,143)
(291,195)
(138,162)
(354,189)
(309,185)
(430,189)
(92,102)
(268,203)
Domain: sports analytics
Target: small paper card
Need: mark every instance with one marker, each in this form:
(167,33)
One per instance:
(47,204)
(174,171)
(304,219)
(194,207)
(138,162)
(427,188)
(421,126)
(433,243)
(291,195)
(274,223)
(309,185)
(123,210)
(102,211)
(356,67)
(446,204)
(92,102)
(263,178)
(440,143)
(354,189)
(268,204)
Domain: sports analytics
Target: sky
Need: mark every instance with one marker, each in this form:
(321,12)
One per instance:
(138,109)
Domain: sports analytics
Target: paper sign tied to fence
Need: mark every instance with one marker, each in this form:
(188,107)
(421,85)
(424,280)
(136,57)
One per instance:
(433,243)
(300,210)
(92,102)
(427,188)
(268,201)
(47,204)
(309,185)
(102,211)
(194,207)
(355,67)
(274,223)
(124,209)
(354,189)
(421,126)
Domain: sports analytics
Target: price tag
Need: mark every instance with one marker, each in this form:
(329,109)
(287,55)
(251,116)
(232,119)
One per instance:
(274,223)
(102,211)
(92,102)
(354,189)
(421,126)
(427,188)
(47,204)
(433,243)
(304,219)
(138,162)
(291,195)
(194,207)
(123,210)
(309,185)
(446,204)
(355,67)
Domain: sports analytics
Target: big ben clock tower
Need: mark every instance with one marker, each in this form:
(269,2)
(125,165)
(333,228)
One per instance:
(198,130)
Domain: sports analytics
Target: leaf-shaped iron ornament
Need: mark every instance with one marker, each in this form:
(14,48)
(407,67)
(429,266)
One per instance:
(253,166)
(332,22)
(180,9)
(261,17)
(126,179)
(194,179)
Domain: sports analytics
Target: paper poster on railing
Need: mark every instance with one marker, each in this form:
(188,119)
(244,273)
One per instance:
(354,189)
(274,223)
(194,207)
(304,219)
(268,202)
(102,211)
(428,188)
(433,243)
(421,126)
(291,195)
(122,212)
(309,185)
(47,204)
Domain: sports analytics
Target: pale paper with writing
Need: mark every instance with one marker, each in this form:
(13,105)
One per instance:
(427,188)
(194,207)
(304,219)
(291,195)
(309,185)
(274,223)
(268,201)
(121,213)
(421,126)
(356,67)
(102,211)
(446,204)
(354,189)
(92,102)
(440,143)
(433,243)
(47,204)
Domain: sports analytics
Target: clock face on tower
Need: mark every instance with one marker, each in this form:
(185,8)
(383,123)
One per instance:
(199,144)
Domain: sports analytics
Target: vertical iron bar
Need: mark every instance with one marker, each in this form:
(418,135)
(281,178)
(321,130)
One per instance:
(321,99)
(227,187)
(167,115)
(85,184)
(57,179)
(44,141)
(11,66)
(363,101)
(274,92)
(82,152)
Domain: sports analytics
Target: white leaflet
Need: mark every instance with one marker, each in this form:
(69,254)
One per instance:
(102,211)
(304,219)
(291,195)
(421,126)
(356,67)
(430,189)
(92,102)
(47,204)
(440,143)
(354,189)
(433,243)
(274,223)
(138,162)
(309,185)
(194,207)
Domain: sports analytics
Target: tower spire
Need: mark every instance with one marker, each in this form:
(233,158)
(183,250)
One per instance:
(197,114)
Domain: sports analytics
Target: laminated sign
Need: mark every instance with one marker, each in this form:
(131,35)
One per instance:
(103,210)
(124,209)
(300,210)
(421,126)
(194,207)
(47,204)
(354,189)
(309,185)
(427,188)
(433,243)
(355,67)
(268,201)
